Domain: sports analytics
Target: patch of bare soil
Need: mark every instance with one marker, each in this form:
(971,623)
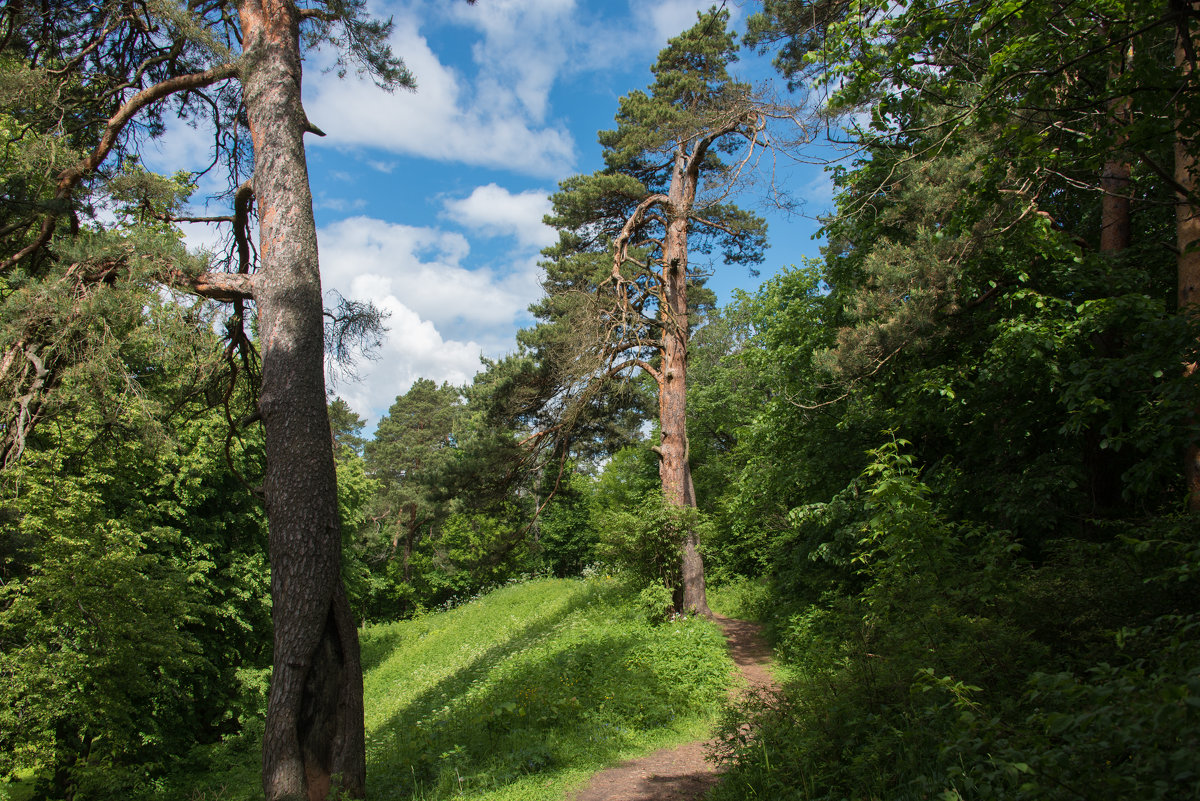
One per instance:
(682,773)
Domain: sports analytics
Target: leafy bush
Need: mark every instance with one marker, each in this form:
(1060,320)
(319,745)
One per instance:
(565,531)
(956,671)
(850,724)
(742,598)
(646,541)
(656,603)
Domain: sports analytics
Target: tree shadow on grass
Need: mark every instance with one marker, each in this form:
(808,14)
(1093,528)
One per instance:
(558,706)
(385,640)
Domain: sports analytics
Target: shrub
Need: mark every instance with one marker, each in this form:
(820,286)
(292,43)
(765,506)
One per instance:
(655,602)
(646,542)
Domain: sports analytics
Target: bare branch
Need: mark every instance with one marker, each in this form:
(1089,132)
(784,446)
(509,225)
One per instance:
(225,287)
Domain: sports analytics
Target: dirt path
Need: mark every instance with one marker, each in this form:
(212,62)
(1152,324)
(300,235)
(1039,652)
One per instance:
(682,773)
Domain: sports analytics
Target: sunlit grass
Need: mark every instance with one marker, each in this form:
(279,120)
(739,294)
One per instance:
(517,696)
(742,598)
(530,690)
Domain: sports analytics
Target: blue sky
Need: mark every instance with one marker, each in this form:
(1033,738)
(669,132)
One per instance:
(430,203)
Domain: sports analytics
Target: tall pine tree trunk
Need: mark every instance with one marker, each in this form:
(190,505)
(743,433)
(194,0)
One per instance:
(1187,215)
(314,728)
(674,467)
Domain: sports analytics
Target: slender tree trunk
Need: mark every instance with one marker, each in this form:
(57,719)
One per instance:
(410,539)
(314,729)
(1115,226)
(1116,232)
(1115,219)
(674,467)
(1187,215)
(1103,465)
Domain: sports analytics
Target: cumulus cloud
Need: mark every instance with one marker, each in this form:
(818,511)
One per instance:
(669,18)
(444,315)
(494,111)
(494,211)
(525,44)
(414,349)
(451,117)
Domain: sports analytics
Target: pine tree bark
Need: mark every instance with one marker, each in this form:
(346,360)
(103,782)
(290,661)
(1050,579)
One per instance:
(314,729)
(1187,214)
(1115,221)
(674,467)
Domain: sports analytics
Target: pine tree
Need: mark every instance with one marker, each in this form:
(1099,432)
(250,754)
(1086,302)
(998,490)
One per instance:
(413,441)
(101,71)
(622,286)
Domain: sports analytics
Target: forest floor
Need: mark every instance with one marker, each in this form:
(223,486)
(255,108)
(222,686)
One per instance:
(683,773)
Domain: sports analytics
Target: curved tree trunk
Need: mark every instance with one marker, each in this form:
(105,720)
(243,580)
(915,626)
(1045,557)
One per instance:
(314,728)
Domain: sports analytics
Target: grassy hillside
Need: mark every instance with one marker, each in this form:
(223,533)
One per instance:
(529,689)
(520,694)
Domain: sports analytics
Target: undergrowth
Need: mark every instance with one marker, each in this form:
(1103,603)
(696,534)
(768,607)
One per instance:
(940,665)
(742,598)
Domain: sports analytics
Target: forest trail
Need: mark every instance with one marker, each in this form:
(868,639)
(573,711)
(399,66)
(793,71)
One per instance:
(682,773)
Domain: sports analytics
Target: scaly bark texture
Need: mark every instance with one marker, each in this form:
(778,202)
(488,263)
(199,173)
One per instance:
(674,467)
(1187,215)
(314,730)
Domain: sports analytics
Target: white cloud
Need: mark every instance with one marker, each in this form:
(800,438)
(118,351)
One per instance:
(494,211)
(494,111)
(451,117)
(525,45)
(206,236)
(414,349)
(339,204)
(385,167)
(669,18)
(443,314)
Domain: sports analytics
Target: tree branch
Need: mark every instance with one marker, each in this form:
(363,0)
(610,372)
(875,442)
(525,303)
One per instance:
(70,177)
(225,287)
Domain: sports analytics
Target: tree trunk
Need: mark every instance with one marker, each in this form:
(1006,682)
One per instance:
(1103,465)
(410,539)
(314,729)
(674,468)
(1187,215)
(1115,227)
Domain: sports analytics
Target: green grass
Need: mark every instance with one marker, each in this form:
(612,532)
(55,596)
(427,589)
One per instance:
(18,787)
(519,695)
(742,598)
(531,689)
